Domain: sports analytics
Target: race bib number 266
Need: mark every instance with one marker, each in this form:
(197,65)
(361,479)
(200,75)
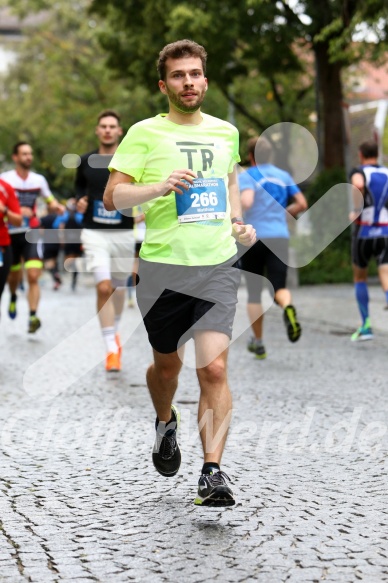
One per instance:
(204,200)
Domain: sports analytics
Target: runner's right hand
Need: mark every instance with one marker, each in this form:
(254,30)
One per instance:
(177,181)
(82,204)
(27,212)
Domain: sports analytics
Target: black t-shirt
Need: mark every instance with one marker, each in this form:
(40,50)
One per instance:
(91,178)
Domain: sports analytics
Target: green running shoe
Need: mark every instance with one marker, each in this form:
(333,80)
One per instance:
(33,324)
(362,333)
(294,329)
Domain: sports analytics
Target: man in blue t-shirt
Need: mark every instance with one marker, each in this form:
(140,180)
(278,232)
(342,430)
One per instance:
(370,235)
(267,192)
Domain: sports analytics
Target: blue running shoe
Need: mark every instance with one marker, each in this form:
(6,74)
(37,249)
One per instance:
(12,313)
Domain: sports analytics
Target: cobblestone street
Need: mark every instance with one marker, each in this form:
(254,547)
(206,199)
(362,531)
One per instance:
(307,452)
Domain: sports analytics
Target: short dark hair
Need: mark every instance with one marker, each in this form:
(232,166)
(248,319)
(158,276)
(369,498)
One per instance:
(180,49)
(15,149)
(260,149)
(369,149)
(108,113)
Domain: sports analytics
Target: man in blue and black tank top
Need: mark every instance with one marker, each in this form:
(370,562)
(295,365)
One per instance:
(370,236)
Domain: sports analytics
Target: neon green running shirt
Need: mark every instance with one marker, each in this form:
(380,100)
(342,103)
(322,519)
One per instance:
(150,152)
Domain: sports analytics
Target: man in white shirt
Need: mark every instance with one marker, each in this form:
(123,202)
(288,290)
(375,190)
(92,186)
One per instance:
(28,186)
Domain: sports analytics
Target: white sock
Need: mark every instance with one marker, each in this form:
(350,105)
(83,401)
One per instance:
(108,335)
(117,322)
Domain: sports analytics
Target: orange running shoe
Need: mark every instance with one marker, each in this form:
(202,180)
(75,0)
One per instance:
(112,363)
(118,342)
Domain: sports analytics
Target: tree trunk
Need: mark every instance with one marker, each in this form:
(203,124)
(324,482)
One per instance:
(330,88)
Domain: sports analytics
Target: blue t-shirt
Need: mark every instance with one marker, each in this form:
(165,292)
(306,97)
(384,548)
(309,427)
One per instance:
(273,190)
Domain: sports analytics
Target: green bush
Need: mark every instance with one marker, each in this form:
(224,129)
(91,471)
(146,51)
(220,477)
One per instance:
(333,265)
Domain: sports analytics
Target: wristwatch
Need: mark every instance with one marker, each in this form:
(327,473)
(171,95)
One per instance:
(238,221)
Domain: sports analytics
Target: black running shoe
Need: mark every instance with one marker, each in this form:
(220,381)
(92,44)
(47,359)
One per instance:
(294,329)
(33,324)
(257,349)
(214,491)
(57,281)
(260,352)
(166,454)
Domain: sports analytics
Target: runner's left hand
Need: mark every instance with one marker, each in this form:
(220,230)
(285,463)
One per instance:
(244,234)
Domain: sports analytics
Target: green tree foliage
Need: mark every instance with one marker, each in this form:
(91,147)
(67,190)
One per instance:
(252,37)
(240,39)
(60,82)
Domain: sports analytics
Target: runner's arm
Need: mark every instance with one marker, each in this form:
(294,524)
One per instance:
(234,195)
(80,189)
(14,219)
(121,192)
(298,204)
(358,188)
(55,206)
(12,209)
(247,198)
(244,234)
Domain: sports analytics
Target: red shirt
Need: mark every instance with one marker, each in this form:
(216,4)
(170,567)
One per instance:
(9,199)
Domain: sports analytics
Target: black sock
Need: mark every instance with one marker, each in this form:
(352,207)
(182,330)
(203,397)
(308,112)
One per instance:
(208,466)
(13,297)
(172,420)
(32,313)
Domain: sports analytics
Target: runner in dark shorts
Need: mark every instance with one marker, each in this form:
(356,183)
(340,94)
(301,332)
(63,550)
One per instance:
(370,233)
(180,168)
(267,194)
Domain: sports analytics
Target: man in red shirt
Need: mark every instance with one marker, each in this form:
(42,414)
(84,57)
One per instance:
(9,213)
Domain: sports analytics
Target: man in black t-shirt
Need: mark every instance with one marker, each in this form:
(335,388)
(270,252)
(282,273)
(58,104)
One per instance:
(107,236)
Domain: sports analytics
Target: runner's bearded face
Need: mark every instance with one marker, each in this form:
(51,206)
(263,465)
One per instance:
(185,84)
(24,157)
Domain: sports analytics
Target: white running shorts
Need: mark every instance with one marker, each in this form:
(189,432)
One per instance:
(109,253)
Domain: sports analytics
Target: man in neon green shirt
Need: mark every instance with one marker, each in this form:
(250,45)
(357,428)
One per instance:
(180,167)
